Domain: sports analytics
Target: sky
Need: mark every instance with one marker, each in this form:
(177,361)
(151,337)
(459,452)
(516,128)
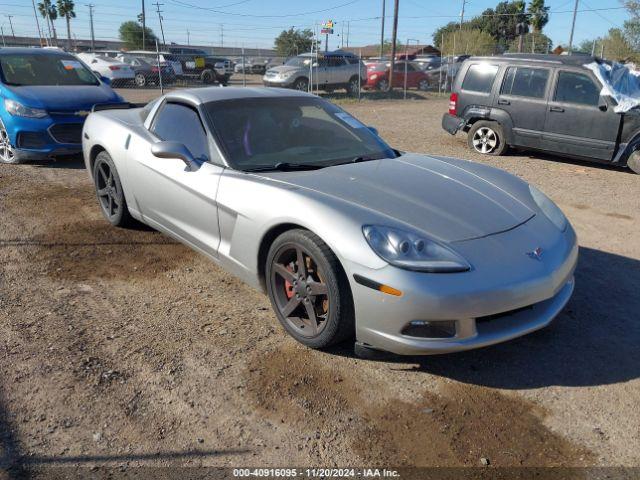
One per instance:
(255,23)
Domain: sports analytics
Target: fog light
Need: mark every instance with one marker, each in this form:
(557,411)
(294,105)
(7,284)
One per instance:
(430,329)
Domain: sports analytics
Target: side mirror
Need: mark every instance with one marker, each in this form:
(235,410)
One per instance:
(105,80)
(174,150)
(602,104)
(374,130)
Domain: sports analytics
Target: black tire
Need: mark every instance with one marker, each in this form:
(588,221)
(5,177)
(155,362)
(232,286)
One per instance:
(321,290)
(487,138)
(207,76)
(423,85)
(109,192)
(301,84)
(382,85)
(633,162)
(353,87)
(7,153)
(140,80)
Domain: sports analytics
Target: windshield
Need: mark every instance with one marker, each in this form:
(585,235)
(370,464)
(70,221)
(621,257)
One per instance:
(298,61)
(260,133)
(44,69)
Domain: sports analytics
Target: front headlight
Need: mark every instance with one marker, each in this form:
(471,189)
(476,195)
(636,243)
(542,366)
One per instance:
(17,109)
(549,208)
(285,75)
(412,251)
(374,76)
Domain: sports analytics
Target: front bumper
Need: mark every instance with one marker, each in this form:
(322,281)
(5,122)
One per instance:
(43,138)
(272,82)
(507,293)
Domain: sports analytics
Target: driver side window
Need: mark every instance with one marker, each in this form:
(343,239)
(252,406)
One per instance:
(181,123)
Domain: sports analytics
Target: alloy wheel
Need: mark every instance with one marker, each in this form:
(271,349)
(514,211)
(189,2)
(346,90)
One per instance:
(485,140)
(109,194)
(301,295)
(383,85)
(423,85)
(7,155)
(141,81)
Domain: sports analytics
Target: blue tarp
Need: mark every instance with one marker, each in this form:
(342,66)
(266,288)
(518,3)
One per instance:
(619,82)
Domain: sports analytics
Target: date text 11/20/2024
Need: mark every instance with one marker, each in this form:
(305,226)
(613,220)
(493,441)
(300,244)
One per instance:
(316,472)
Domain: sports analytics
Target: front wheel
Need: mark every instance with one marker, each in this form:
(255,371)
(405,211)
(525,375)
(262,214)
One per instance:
(423,85)
(140,80)
(633,162)
(7,155)
(110,193)
(487,138)
(383,85)
(301,84)
(309,290)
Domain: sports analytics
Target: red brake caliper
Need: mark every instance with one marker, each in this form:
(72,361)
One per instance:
(288,287)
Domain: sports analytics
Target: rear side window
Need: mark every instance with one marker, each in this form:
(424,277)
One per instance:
(577,88)
(479,78)
(181,123)
(525,82)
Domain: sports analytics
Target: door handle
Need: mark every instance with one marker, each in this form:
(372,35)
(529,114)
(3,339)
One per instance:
(503,102)
(556,109)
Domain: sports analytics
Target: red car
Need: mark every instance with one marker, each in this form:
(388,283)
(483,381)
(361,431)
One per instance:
(378,76)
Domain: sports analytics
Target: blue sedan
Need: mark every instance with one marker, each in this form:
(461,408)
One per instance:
(45,96)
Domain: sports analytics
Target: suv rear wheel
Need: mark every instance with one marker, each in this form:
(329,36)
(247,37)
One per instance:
(487,138)
(634,161)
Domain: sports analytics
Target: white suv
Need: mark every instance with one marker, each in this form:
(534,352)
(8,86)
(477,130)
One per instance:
(330,71)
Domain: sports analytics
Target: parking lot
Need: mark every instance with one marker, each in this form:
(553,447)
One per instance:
(124,347)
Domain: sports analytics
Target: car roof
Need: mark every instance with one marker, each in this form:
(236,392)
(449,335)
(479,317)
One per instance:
(569,60)
(31,51)
(216,94)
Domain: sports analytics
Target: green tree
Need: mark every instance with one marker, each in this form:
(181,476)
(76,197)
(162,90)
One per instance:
(66,11)
(468,41)
(616,47)
(533,43)
(293,42)
(49,13)
(632,25)
(131,35)
(538,15)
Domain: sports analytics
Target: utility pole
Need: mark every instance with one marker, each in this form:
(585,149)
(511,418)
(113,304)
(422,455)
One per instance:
(464,2)
(394,36)
(35,14)
(573,26)
(13,34)
(382,30)
(222,35)
(158,5)
(188,38)
(2,35)
(342,35)
(93,37)
(144,26)
(348,30)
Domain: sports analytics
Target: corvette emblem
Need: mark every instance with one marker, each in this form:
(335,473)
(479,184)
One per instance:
(83,113)
(536,254)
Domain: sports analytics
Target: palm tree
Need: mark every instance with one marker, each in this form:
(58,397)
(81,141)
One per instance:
(49,13)
(65,10)
(539,15)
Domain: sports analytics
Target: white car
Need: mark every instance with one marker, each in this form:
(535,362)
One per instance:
(117,72)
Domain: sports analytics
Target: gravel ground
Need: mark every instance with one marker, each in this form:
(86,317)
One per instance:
(122,347)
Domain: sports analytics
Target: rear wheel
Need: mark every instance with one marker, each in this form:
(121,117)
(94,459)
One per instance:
(140,80)
(207,76)
(7,155)
(353,87)
(110,193)
(301,84)
(308,290)
(487,138)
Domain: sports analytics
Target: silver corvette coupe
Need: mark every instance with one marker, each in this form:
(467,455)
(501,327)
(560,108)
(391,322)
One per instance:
(406,253)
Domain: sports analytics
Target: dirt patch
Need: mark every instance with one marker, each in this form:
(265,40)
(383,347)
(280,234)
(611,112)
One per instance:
(457,426)
(621,216)
(95,249)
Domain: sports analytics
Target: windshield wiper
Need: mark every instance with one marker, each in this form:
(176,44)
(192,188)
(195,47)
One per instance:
(286,167)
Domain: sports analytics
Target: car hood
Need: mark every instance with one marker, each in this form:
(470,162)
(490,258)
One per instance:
(285,69)
(64,98)
(443,200)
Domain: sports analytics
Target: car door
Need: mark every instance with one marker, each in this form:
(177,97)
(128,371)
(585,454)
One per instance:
(337,70)
(578,121)
(523,95)
(320,72)
(169,194)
